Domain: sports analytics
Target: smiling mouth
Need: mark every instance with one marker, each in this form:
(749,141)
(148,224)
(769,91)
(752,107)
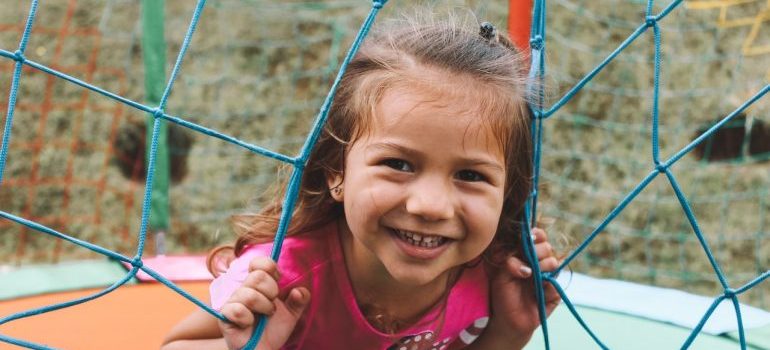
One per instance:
(420,240)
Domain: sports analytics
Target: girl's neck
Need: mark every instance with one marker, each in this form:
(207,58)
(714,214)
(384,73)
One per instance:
(378,292)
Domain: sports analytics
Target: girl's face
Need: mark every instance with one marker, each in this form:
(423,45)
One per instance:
(423,186)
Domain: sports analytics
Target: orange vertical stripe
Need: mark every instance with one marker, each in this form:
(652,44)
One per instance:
(519,22)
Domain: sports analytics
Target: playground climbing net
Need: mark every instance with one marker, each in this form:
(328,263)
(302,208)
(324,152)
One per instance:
(649,24)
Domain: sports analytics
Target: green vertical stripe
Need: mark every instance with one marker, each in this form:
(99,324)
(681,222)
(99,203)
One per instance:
(154,53)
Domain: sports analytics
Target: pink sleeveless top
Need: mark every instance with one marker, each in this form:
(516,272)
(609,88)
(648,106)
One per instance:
(333,320)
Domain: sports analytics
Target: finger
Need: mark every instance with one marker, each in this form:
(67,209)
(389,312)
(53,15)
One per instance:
(517,267)
(543,250)
(238,315)
(297,300)
(538,235)
(263,282)
(548,264)
(253,300)
(264,263)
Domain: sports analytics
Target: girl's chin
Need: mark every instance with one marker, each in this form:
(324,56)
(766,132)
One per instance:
(415,276)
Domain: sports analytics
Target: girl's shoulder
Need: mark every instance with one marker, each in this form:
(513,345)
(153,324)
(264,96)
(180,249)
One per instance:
(302,257)
(300,252)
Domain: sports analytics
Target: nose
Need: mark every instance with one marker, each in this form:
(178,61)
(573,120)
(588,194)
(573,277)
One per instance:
(430,199)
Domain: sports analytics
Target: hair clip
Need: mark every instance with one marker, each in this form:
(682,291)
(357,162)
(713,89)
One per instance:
(487,31)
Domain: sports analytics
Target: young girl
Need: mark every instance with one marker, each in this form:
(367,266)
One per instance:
(405,234)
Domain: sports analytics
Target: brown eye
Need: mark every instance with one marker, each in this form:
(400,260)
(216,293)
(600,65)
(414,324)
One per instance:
(398,164)
(470,176)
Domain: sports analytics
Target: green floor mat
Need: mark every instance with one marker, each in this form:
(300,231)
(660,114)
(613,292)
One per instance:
(39,279)
(624,332)
(759,337)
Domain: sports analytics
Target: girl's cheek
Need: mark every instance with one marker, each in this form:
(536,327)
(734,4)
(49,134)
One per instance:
(488,206)
(374,196)
(482,217)
(384,194)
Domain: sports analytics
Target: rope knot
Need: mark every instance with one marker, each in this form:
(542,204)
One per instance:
(661,167)
(137,262)
(18,56)
(378,4)
(536,43)
(651,21)
(730,293)
(157,113)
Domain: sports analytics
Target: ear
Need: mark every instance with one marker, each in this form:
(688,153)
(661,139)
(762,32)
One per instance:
(334,181)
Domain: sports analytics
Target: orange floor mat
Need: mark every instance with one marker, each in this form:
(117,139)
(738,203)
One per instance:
(131,317)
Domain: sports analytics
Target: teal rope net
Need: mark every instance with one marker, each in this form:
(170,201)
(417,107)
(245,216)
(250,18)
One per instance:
(298,162)
(660,166)
(599,142)
(648,23)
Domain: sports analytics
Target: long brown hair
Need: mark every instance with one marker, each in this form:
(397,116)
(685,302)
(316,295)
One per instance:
(398,52)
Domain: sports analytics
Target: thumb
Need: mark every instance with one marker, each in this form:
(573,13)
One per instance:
(281,324)
(297,300)
(517,268)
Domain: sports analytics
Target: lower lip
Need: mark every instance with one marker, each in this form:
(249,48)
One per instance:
(419,252)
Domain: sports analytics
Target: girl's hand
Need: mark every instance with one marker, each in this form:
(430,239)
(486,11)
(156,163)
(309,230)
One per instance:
(515,313)
(259,295)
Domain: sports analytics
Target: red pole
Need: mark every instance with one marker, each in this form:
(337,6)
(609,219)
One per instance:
(520,22)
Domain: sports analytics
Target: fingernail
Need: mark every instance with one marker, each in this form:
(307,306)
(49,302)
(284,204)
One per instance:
(534,238)
(525,270)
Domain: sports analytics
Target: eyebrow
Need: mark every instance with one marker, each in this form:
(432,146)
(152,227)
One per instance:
(390,146)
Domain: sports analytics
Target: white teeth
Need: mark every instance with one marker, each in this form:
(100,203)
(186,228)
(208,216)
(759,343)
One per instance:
(414,236)
(420,240)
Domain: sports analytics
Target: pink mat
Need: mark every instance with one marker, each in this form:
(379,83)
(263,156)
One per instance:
(175,268)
